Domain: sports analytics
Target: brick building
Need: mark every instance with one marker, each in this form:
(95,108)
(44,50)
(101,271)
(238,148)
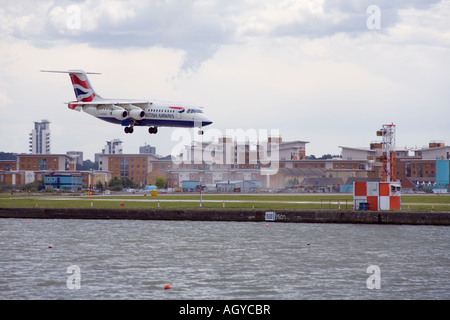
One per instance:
(49,162)
(133,166)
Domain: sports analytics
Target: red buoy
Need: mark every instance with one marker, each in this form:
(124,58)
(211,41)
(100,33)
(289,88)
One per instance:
(167,287)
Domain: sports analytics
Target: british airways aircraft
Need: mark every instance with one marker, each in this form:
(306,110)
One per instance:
(130,113)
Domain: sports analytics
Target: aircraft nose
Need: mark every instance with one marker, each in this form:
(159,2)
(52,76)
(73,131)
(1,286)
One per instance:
(206,121)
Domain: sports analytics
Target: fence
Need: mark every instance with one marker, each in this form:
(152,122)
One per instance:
(334,204)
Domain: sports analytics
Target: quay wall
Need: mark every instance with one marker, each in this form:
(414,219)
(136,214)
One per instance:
(310,216)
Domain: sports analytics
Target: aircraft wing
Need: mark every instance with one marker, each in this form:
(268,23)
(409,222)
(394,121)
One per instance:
(77,105)
(109,102)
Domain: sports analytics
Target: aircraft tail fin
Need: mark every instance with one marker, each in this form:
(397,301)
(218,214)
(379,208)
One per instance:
(84,92)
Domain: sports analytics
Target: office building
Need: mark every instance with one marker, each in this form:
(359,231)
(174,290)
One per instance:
(40,138)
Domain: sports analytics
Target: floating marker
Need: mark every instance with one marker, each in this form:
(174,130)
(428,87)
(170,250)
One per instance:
(50,246)
(167,287)
(267,225)
(122,204)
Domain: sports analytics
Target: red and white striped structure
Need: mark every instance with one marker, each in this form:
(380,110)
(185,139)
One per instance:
(384,195)
(373,195)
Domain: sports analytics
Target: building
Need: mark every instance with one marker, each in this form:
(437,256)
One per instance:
(414,168)
(374,195)
(77,155)
(147,149)
(426,167)
(73,180)
(15,178)
(8,165)
(40,138)
(349,153)
(291,150)
(113,147)
(63,182)
(230,160)
(133,166)
(323,184)
(45,162)
(435,150)
(238,186)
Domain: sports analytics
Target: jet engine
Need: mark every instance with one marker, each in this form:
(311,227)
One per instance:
(135,112)
(119,113)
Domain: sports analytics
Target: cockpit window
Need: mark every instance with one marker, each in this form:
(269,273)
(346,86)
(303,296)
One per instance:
(194,111)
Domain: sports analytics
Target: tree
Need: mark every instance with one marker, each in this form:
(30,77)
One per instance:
(99,185)
(88,165)
(115,184)
(161,182)
(128,183)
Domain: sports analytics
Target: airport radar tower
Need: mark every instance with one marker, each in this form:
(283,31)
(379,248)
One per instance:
(387,132)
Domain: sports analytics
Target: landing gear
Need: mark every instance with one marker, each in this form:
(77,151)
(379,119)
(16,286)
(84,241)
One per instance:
(129,129)
(200,132)
(153,130)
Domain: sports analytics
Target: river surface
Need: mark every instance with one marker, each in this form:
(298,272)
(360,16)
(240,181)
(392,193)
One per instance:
(123,259)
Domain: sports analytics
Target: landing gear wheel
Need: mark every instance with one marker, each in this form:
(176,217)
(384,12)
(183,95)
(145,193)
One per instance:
(152,130)
(129,129)
(201,132)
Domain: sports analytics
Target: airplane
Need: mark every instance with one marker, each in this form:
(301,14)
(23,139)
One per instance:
(131,113)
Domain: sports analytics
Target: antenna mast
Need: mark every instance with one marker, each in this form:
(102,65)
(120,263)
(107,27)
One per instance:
(387,133)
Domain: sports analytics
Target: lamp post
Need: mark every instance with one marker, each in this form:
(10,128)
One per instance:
(201,204)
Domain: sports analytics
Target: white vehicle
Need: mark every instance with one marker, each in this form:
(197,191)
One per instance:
(131,113)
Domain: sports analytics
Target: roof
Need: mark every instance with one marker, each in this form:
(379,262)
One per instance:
(321,182)
(356,179)
(302,172)
(358,149)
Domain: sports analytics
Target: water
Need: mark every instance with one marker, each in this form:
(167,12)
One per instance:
(120,259)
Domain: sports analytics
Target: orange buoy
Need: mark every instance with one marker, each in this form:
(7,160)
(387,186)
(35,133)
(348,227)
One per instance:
(167,287)
(267,225)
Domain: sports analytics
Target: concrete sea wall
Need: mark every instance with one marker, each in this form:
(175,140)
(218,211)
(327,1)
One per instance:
(311,216)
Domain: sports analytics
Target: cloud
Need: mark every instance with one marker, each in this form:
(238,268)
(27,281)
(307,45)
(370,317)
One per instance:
(199,28)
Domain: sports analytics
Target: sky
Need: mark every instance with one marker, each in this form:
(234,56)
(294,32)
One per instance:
(327,72)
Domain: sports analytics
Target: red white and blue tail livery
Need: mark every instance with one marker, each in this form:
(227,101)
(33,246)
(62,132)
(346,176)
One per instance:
(130,113)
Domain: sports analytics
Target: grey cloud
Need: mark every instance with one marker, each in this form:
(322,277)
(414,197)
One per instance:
(198,28)
(347,16)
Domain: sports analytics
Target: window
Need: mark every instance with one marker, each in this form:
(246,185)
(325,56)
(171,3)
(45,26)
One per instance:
(42,164)
(124,167)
